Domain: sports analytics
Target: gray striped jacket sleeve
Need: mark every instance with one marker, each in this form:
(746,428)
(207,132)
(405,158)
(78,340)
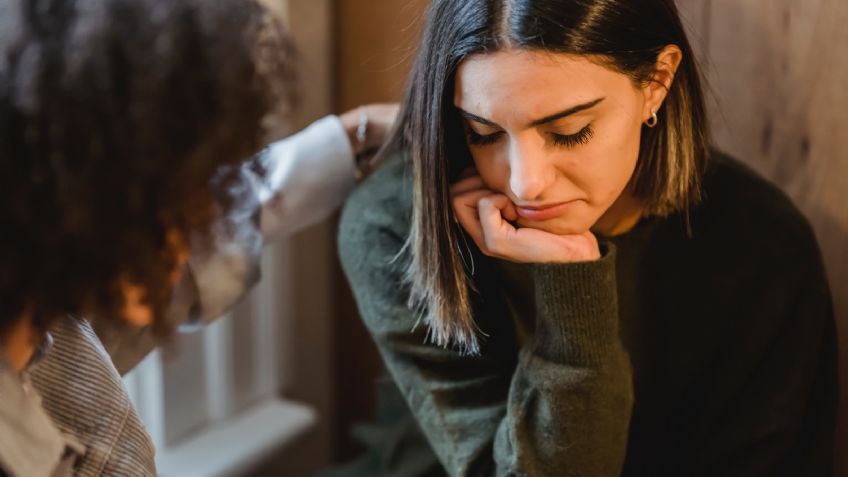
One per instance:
(84,396)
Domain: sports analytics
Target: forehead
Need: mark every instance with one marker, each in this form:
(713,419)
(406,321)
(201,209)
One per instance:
(533,79)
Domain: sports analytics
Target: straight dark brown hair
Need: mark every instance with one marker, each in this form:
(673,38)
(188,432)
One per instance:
(627,35)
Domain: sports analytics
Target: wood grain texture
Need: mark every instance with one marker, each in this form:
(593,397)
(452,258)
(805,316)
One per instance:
(376,41)
(778,72)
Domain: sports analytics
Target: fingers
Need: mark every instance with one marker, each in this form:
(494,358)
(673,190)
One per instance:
(466,185)
(375,120)
(468,172)
(465,194)
(509,212)
(483,213)
(382,114)
(380,118)
(493,222)
(465,211)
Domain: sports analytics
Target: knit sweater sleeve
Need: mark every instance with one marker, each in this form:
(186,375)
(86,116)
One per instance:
(561,407)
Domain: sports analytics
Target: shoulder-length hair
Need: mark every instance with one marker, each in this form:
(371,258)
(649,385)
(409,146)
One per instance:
(627,35)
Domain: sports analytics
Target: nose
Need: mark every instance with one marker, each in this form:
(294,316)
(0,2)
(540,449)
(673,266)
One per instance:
(530,172)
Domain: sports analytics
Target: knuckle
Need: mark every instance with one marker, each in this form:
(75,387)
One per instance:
(492,243)
(484,201)
(456,202)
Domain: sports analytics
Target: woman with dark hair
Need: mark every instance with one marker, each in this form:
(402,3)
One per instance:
(564,279)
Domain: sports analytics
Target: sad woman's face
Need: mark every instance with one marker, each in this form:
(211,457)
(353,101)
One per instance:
(558,134)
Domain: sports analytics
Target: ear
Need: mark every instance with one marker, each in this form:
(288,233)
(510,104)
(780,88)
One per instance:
(656,89)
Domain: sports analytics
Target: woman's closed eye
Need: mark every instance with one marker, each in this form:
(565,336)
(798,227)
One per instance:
(477,139)
(573,140)
(561,140)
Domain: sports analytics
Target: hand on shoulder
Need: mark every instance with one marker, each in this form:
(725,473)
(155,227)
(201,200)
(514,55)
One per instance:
(368,128)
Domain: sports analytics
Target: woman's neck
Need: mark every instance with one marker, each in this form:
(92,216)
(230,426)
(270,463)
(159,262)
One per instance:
(19,342)
(621,217)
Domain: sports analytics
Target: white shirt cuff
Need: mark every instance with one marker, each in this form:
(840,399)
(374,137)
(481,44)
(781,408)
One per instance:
(308,176)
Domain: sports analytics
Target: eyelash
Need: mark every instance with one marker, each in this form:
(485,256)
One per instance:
(573,140)
(482,140)
(562,140)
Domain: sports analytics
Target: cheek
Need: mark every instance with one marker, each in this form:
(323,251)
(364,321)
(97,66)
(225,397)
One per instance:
(492,168)
(612,162)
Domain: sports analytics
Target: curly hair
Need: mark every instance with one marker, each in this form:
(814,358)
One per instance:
(123,123)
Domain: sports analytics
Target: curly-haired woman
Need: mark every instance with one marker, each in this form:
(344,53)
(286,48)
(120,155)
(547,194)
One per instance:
(124,129)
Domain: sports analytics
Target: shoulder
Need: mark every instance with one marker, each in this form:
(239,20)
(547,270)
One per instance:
(376,218)
(754,213)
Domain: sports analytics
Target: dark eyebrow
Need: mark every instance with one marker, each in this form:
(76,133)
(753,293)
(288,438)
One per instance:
(567,112)
(538,122)
(477,119)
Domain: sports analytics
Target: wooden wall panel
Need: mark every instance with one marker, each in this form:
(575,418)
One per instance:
(376,40)
(778,70)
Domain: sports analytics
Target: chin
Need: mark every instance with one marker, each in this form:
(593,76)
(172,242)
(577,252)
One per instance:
(559,226)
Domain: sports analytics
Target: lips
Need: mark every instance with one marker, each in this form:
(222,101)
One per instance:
(544,212)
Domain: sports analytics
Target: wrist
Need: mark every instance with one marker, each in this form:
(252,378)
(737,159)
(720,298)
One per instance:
(578,248)
(577,311)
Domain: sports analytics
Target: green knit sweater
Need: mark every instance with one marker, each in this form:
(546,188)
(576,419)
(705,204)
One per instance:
(708,353)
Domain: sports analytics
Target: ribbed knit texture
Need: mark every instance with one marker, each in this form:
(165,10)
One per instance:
(83,394)
(710,353)
(577,309)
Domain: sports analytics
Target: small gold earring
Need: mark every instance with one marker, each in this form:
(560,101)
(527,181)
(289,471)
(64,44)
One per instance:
(652,121)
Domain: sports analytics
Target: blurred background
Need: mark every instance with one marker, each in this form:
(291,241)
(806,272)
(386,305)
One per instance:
(279,383)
